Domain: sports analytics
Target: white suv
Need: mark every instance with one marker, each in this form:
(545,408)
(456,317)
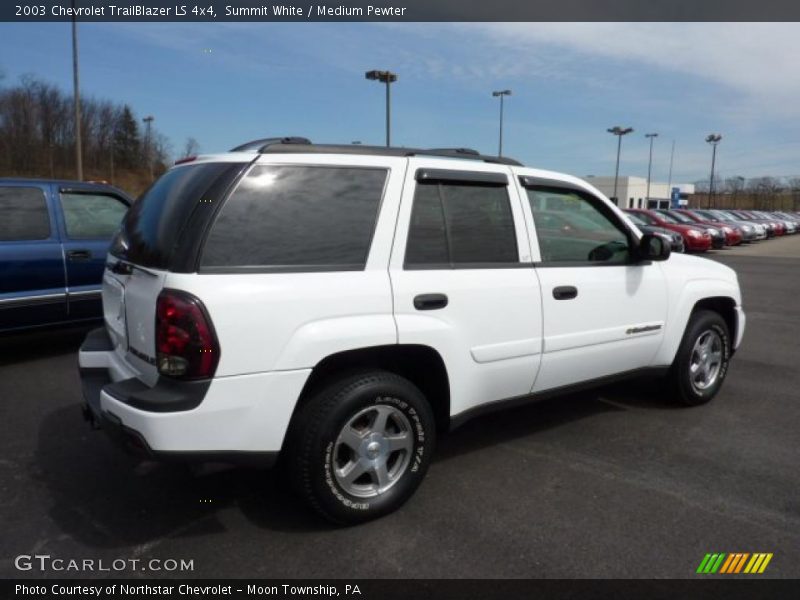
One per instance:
(336,306)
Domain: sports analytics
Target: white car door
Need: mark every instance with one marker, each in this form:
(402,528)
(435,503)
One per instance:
(604,310)
(463,281)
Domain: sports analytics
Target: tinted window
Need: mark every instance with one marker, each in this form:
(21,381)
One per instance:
(153,224)
(92,215)
(23,214)
(295,217)
(571,227)
(456,224)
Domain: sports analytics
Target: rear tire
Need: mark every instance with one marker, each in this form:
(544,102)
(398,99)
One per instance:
(701,363)
(361,446)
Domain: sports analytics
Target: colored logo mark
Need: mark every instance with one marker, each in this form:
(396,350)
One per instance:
(735,562)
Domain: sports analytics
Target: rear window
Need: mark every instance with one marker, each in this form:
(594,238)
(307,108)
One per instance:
(297,218)
(23,214)
(153,225)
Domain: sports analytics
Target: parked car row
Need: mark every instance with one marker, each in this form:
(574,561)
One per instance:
(701,230)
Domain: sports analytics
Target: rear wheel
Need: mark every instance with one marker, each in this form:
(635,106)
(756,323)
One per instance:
(361,446)
(702,360)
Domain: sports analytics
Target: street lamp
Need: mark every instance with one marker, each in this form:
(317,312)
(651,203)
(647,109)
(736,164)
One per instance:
(388,78)
(77,98)
(652,137)
(713,139)
(619,132)
(501,94)
(148,120)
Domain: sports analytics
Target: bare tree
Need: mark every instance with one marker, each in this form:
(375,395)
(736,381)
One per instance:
(190,148)
(765,191)
(793,183)
(37,135)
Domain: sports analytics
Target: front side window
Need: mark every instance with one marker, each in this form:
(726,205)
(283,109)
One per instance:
(298,217)
(23,214)
(455,224)
(91,215)
(572,229)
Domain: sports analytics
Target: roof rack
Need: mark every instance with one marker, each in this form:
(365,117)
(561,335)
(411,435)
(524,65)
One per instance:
(260,145)
(301,145)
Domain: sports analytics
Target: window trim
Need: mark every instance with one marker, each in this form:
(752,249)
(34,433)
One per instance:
(554,186)
(47,211)
(452,266)
(485,178)
(256,269)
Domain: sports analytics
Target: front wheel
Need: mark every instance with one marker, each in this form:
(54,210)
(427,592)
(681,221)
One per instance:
(702,360)
(361,446)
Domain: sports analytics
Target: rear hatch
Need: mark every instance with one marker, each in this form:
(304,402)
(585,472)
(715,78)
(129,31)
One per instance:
(162,232)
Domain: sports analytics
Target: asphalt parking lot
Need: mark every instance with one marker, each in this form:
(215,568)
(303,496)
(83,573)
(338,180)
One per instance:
(612,483)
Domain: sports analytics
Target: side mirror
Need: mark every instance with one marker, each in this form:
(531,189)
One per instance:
(653,246)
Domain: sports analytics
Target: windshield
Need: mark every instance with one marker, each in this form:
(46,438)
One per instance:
(678,217)
(636,219)
(647,218)
(668,217)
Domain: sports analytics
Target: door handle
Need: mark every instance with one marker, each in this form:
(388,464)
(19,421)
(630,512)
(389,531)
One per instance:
(430,301)
(565,292)
(79,255)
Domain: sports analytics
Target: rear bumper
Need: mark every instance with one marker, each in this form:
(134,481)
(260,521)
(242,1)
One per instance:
(238,419)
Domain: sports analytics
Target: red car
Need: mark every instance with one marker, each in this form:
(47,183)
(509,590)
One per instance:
(696,239)
(733,237)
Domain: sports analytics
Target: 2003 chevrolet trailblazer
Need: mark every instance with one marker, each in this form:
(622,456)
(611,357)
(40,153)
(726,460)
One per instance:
(338,305)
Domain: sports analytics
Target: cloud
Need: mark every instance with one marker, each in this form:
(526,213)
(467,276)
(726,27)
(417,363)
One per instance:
(756,60)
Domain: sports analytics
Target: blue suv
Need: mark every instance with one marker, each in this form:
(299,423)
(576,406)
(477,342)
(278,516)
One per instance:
(54,237)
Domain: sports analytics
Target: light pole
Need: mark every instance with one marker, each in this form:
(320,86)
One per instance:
(77,98)
(386,77)
(501,94)
(671,160)
(619,132)
(148,120)
(713,139)
(651,136)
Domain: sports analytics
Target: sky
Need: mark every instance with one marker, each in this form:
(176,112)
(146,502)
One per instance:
(228,83)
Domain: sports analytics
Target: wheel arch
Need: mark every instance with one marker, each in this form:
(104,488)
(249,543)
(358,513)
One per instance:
(421,365)
(725,306)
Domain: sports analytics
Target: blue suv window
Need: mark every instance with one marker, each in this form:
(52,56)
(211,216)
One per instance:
(91,215)
(23,214)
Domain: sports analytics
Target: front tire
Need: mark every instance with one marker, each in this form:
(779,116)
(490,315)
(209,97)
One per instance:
(701,363)
(361,446)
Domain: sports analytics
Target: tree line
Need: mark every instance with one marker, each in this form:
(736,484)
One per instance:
(37,137)
(761,193)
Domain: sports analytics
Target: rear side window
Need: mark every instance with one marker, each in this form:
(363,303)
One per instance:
(91,215)
(455,224)
(153,225)
(23,214)
(296,218)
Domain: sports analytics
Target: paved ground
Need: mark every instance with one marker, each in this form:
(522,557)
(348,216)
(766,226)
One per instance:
(617,483)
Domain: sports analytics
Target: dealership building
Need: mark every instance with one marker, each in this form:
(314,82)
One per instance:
(632,191)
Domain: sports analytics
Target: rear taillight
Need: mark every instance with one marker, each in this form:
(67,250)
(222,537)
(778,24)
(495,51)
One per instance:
(186,345)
